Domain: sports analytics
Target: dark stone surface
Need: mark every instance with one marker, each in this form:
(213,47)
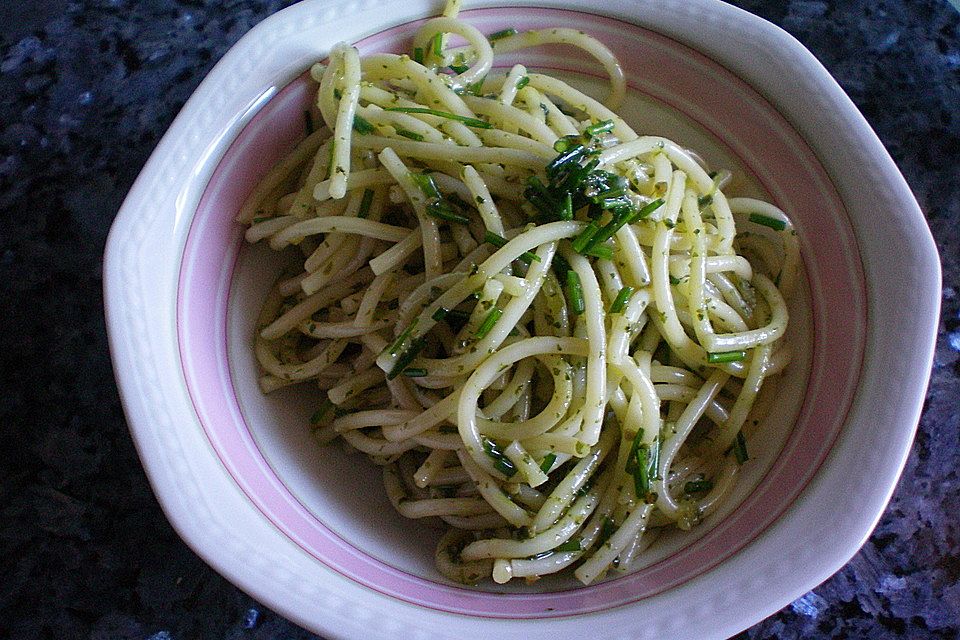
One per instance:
(86,90)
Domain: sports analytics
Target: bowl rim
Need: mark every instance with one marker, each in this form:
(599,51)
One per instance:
(154,405)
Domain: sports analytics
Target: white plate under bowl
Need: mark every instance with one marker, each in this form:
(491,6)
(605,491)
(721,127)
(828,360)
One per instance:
(308,530)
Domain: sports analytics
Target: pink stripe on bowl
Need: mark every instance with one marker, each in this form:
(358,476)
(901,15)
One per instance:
(708,94)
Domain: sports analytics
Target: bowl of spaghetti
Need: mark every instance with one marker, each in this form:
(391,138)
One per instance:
(487,318)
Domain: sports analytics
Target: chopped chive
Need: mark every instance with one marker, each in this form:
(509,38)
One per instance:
(426,184)
(542,204)
(647,210)
(713,174)
(458,68)
(537,185)
(418,55)
(337,93)
(522,82)
(570,155)
(470,122)
(437,207)
(607,529)
(600,251)
(566,213)
(455,315)
(406,133)
(575,174)
(674,280)
(477,87)
(308,122)
(440,314)
(442,211)
(767,221)
(570,545)
(605,184)
(583,239)
(446,490)
(362,126)
(617,202)
(322,411)
(620,302)
(539,196)
(436,44)
(488,323)
(726,356)
(408,356)
(498,241)
(608,190)
(493,238)
(703,201)
(564,143)
(641,472)
(415,372)
(697,486)
(560,267)
(459,202)
(365,203)
(262,219)
(740,448)
(601,127)
(500,35)
(621,216)
(631,463)
(575,292)
(654,469)
(609,229)
(502,463)
(394,347)
(643,462)
(547,463)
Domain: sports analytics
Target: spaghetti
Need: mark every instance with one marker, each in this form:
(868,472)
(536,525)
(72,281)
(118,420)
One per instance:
(551,332)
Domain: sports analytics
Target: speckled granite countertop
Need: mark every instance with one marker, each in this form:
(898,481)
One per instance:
(87,89)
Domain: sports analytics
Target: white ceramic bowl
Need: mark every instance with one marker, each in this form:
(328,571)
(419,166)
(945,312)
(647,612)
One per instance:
(308,531)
